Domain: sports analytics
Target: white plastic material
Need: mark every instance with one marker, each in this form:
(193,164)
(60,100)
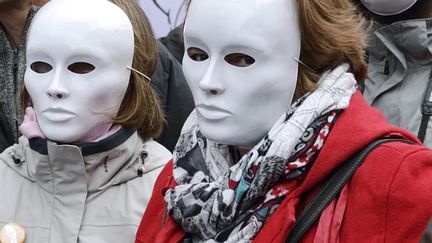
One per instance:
(238,102)
(388,7)
(75,103)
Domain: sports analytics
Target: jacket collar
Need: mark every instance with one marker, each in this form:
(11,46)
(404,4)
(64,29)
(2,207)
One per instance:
(400,48)
(409,41)
(40,144)
(90,166)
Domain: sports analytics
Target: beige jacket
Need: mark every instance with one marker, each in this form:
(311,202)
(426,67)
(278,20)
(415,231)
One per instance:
(86,193)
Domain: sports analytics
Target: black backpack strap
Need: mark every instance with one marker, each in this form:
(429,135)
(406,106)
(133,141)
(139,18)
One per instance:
(331,188)
(426,110)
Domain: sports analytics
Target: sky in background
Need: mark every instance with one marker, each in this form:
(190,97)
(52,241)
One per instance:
(164,15)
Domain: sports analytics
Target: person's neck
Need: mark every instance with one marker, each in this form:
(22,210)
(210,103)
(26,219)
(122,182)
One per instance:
(242,150)
(13,17)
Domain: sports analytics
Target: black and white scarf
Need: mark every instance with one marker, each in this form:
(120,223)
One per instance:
(218,203)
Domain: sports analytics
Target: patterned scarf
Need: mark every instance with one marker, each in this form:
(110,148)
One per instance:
(218,203)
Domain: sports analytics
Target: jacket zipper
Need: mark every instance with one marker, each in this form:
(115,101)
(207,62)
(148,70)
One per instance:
(15,70)
(386,62)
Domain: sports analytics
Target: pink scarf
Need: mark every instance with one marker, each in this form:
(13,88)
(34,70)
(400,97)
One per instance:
(30,127)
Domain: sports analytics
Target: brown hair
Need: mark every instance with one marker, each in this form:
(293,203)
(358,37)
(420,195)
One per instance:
(332,33)
(140,107)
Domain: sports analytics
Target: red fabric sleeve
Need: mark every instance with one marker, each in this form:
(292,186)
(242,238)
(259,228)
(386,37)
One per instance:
(409,204)
(156,225)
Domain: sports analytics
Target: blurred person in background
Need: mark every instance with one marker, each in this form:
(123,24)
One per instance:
(15,18)
(174,94)
(168,79)
(399,56)
(174,42)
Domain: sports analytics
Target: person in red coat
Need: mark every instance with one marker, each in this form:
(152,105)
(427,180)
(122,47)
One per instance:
(277,111)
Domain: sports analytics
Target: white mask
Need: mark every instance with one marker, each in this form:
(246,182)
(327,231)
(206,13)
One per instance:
(388,7)
(77,54)
(244,78)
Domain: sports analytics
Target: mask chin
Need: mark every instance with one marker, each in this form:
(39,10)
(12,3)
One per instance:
(231,135)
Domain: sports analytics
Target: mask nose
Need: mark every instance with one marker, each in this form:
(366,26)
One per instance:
(57,94)
(211,82)
(56,89)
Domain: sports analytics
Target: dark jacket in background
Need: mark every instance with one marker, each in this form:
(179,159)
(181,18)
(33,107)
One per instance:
(174,42)
(12,68)
(5,133)
(173,91)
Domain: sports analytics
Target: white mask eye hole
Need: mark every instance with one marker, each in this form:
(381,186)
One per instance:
(197,54)
(81,67)
(41,67)
(239,59)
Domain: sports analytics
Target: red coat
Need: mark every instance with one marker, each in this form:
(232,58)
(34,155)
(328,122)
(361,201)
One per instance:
(389,199)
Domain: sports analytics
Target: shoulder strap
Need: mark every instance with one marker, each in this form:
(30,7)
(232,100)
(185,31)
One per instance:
(426,110)
(331,188)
